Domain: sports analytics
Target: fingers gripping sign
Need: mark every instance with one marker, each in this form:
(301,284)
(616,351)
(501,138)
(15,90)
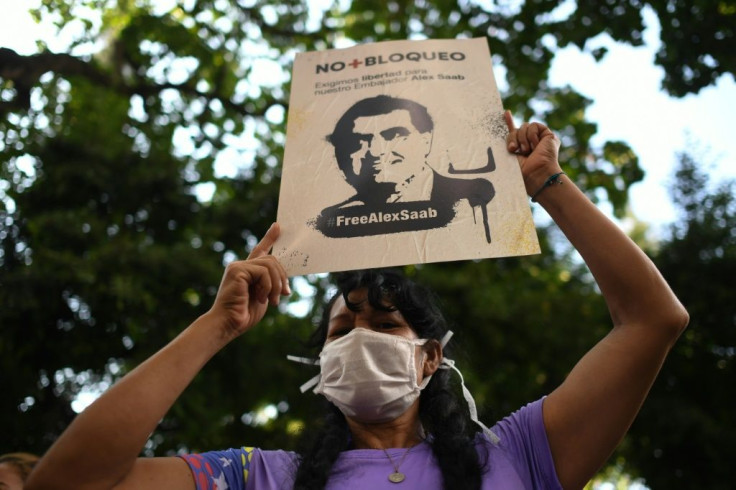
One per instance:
(249,286)
(536,148)
(275,283)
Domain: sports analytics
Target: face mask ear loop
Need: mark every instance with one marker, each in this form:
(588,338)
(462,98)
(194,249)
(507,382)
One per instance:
(446,338)
(312,362)
(312,382)
(304,360)
(443,342)
(450,364)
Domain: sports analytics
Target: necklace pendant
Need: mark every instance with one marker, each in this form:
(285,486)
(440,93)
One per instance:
(396,477)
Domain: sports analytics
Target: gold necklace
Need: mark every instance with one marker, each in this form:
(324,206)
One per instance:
(397,476)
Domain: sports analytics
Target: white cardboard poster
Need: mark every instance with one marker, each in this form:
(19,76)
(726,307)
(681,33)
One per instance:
(395,154)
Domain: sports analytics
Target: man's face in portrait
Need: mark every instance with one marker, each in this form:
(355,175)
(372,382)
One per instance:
(389,147)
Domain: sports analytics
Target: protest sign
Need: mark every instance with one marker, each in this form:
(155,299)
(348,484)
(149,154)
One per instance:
(395,154)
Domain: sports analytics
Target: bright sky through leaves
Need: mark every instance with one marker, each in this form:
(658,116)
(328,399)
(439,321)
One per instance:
(628,105)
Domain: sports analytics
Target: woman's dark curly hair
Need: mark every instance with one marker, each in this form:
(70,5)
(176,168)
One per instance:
(443,413)
(22,463)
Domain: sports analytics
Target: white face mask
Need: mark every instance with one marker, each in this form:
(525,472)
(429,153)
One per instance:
(370,376)
(373,376)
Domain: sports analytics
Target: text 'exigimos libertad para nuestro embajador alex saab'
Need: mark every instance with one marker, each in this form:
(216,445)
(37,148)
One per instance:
(381,79)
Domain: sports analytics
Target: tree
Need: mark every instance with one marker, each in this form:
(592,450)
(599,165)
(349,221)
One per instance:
(145,156)
(687,427)
(696,35)
(696,39)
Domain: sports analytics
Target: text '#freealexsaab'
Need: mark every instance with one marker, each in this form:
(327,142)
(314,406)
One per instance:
(403,215)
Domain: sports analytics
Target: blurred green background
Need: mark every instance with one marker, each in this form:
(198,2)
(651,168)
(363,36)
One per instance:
(116,219)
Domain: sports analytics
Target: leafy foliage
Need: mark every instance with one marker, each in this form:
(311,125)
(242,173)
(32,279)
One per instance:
(686,426)
(147,155)
(697,37)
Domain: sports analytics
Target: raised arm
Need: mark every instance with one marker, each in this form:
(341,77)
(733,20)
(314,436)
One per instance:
(587,416)
(100,448)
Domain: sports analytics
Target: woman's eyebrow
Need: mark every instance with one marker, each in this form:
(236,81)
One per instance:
(341,316)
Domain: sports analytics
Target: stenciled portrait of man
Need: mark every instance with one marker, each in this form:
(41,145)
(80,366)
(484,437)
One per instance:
(381,146)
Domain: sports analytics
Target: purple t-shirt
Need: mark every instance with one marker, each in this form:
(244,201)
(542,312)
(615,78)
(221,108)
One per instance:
(521,460)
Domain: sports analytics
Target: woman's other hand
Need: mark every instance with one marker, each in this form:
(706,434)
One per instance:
(249,286)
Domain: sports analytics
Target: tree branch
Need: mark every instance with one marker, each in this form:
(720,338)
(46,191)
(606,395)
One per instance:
(25,72)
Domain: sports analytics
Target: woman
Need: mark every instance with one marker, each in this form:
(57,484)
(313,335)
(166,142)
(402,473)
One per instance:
(557,442)
(14,469)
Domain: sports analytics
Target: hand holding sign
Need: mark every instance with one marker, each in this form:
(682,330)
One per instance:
(249,286)
(536,147)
